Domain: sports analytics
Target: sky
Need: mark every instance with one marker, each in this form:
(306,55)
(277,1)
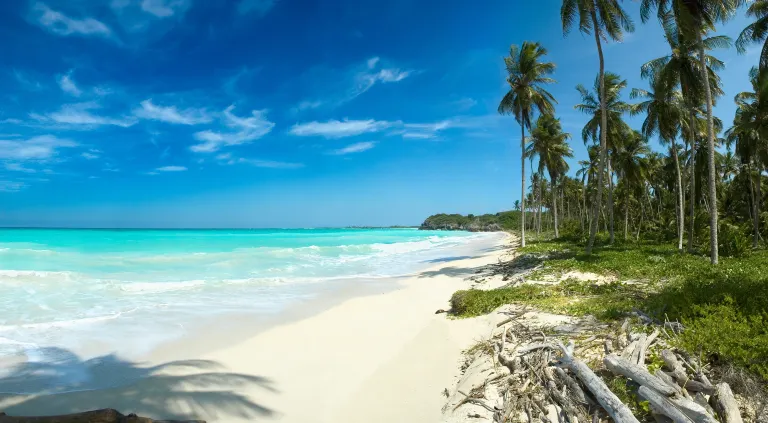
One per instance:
(283,113)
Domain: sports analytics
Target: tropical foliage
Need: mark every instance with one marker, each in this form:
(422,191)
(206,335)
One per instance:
(704,185)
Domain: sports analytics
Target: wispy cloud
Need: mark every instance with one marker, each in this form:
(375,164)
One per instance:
(164,8)
(18,167)
(354,148)
(339,128)
(270,164)
(242,130)
(67,84)
(91,154)
(258,7)
(80,115)
(61,24)
(359,79)
(171,169)
(228,159)
(464,104)
(170,114)
(11,186)
(40,148)
(26,82)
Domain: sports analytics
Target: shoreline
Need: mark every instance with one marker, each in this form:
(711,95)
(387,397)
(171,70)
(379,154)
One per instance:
(375,348)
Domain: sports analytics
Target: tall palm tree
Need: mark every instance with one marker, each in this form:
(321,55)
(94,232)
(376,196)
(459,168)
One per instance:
(616,107)
(757,31)
(550,144)
(682,67)
(697,130)
(604,19)
(749,131)
(664,109)
(526,75)
(694,18)
(630,163)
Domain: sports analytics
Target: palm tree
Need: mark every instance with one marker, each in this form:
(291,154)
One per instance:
(663,109)
(695,17)
(750,127)
(682,67)
(757,31)
(550,144)
(591,105)
(630,163)
(730,166)
(604,19)
(527,73)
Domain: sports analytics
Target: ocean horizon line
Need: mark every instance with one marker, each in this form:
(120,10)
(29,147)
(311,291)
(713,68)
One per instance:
(265,228)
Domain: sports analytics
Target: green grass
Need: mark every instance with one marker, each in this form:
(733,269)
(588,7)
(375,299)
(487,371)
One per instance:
(724,307)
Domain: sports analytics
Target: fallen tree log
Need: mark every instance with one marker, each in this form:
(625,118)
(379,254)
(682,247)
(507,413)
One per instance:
(726,404)
(607,399)
(107,415)
(637,373)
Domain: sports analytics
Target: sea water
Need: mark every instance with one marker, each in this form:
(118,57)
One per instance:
(130,290)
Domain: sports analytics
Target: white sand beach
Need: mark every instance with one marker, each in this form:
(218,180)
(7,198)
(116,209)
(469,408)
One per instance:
(380,357)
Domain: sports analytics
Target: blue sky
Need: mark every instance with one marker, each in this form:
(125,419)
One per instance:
(280,113)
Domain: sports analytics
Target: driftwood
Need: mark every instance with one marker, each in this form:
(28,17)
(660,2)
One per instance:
(612,404)
(662,406)
(726,404)
(106,415)
(639,374)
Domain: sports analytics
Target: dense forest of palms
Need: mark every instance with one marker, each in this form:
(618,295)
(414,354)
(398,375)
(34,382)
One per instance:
(704,190)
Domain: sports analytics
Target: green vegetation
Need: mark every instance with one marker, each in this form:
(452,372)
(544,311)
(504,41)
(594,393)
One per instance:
(723,307)
(508,221)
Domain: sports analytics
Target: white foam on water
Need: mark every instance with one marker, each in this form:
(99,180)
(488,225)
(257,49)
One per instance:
(102,299)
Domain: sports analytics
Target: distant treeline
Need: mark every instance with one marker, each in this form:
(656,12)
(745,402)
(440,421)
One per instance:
(504,221)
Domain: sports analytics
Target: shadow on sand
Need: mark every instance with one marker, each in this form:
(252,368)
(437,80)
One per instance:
(187,389)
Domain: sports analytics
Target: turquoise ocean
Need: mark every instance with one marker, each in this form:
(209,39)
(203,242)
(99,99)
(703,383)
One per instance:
(131,290)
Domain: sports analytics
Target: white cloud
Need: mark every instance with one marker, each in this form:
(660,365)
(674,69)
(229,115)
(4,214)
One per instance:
(67,84)
(339,129)
(79,114)
(18,167)
(164,8)
(40,148)
(243,130)
(91,154)
(64,25)
(12,121)
(259,7)
(365,80)
(11,186)
(171,169)
(171,114)
(354,82)
(270,164)
(354,148)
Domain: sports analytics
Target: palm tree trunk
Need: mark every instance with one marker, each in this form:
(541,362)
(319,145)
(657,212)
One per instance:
(541,199)
(522,189)
(680,206)
(755,218)
(711,144)
(603,144)
(759,196)
(554,205)
(692,173)
(610,202)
